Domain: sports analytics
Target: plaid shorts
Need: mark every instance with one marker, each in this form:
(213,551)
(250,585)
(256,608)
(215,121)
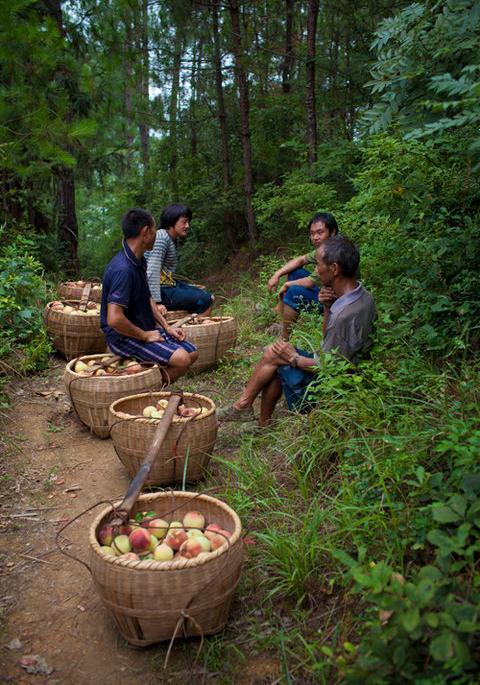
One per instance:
(157,352)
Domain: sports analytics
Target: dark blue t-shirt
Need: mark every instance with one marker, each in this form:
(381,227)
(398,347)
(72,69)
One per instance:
(125,283)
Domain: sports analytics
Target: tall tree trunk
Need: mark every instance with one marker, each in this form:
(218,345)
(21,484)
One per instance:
(287,64)
(173,112)
(311,111)
(222,120)
(194,87)
(65,200)
(244,120)
(143,124)
(127,93)
(67,216)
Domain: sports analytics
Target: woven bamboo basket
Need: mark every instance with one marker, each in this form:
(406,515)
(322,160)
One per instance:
(189,441)
(212,340)
(70,291)
(176,314)
(152,601)
(74,336)
(91,396)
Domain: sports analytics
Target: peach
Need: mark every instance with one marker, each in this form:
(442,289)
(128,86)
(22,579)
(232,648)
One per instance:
(204,542)
(91,305)
(56,305)
(163,552)
(194,533)
(140,540)
(216,539)
(80,367)
(153,542)
(191,548)
(158,527)
(193,519)
(105,549)
(105,535)
(175,538)
(121,545)
(214,527)
(130,556)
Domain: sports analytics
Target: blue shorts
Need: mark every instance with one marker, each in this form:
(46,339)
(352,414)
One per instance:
(185,296)
(299,298)
(295,383)
(156,352)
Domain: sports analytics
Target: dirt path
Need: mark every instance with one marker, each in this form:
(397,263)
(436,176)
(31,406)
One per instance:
(53,470)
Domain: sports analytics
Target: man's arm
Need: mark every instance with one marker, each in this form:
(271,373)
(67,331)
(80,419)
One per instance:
(295,263)
(306,282)
(157,310)
(287,354)
(117,320)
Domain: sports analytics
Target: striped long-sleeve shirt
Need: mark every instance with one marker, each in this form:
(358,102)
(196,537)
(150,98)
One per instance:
(161,264)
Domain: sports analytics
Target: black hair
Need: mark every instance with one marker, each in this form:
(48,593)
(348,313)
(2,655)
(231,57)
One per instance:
(327,219)
(340,250)
(134,220)
(173,213)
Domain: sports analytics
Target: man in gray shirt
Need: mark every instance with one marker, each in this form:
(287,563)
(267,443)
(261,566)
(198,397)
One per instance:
(349,313)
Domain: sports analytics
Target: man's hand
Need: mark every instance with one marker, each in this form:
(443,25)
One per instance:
(284,351)
(152,336)
(177,333)
(284,289)
(273,283)
(162,309)
(327,296)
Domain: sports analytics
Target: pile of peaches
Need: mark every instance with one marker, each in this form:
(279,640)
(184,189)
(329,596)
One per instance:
(156,411)
(92,309)
(81,284)
(106,366)
(149,538)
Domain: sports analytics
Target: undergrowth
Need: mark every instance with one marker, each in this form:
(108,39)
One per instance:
(362,517)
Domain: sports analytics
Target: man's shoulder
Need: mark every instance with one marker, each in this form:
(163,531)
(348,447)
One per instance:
(363,306)
(117,264)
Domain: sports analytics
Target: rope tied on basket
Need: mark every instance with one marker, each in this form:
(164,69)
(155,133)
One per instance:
(181,624)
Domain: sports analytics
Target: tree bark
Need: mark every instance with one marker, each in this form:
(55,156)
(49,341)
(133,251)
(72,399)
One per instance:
(287,64)
(242,83)
(67,216)
(127,93)
(222,121)
(144,119)
(310,96)
(65,200)
(173,113)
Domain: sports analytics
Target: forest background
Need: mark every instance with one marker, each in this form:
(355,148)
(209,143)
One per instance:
(257,114)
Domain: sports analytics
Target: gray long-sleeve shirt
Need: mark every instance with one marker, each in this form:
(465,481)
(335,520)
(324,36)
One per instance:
(161,264)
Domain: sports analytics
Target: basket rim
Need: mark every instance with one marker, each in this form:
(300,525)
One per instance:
(67,299)
(70,370)
(178,564)
(160,394)
(216,319)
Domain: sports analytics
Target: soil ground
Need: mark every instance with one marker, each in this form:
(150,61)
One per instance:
(52,470)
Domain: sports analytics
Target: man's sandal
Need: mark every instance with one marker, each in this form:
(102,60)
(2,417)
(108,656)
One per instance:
(231,413)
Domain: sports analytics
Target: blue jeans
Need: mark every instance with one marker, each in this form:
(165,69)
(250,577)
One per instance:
(295,384)
(299,298)
(185,296)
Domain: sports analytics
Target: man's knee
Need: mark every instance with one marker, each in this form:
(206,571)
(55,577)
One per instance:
(181,359)
(204,302)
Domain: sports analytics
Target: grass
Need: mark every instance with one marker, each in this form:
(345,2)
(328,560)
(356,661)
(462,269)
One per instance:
(347,484)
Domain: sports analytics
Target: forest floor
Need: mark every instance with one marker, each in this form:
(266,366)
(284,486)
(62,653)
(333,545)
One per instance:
(54,628)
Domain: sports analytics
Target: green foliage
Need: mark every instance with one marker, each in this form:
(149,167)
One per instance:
(427,72)
(415,216)
(22,297)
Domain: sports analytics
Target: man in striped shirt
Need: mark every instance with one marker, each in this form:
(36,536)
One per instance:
(172,293)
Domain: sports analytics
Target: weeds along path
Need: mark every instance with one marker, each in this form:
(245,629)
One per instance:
(53,469)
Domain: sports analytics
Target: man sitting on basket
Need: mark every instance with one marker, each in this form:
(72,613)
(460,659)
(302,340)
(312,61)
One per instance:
(132,322)
(348,320)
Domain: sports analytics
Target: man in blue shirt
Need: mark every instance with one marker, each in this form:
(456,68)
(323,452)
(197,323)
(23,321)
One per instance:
(133,324)
(349,313)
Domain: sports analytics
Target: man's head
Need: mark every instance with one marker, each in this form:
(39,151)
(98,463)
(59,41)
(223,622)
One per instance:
(337,257)
(176,219)
(140,224)
(322,226)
